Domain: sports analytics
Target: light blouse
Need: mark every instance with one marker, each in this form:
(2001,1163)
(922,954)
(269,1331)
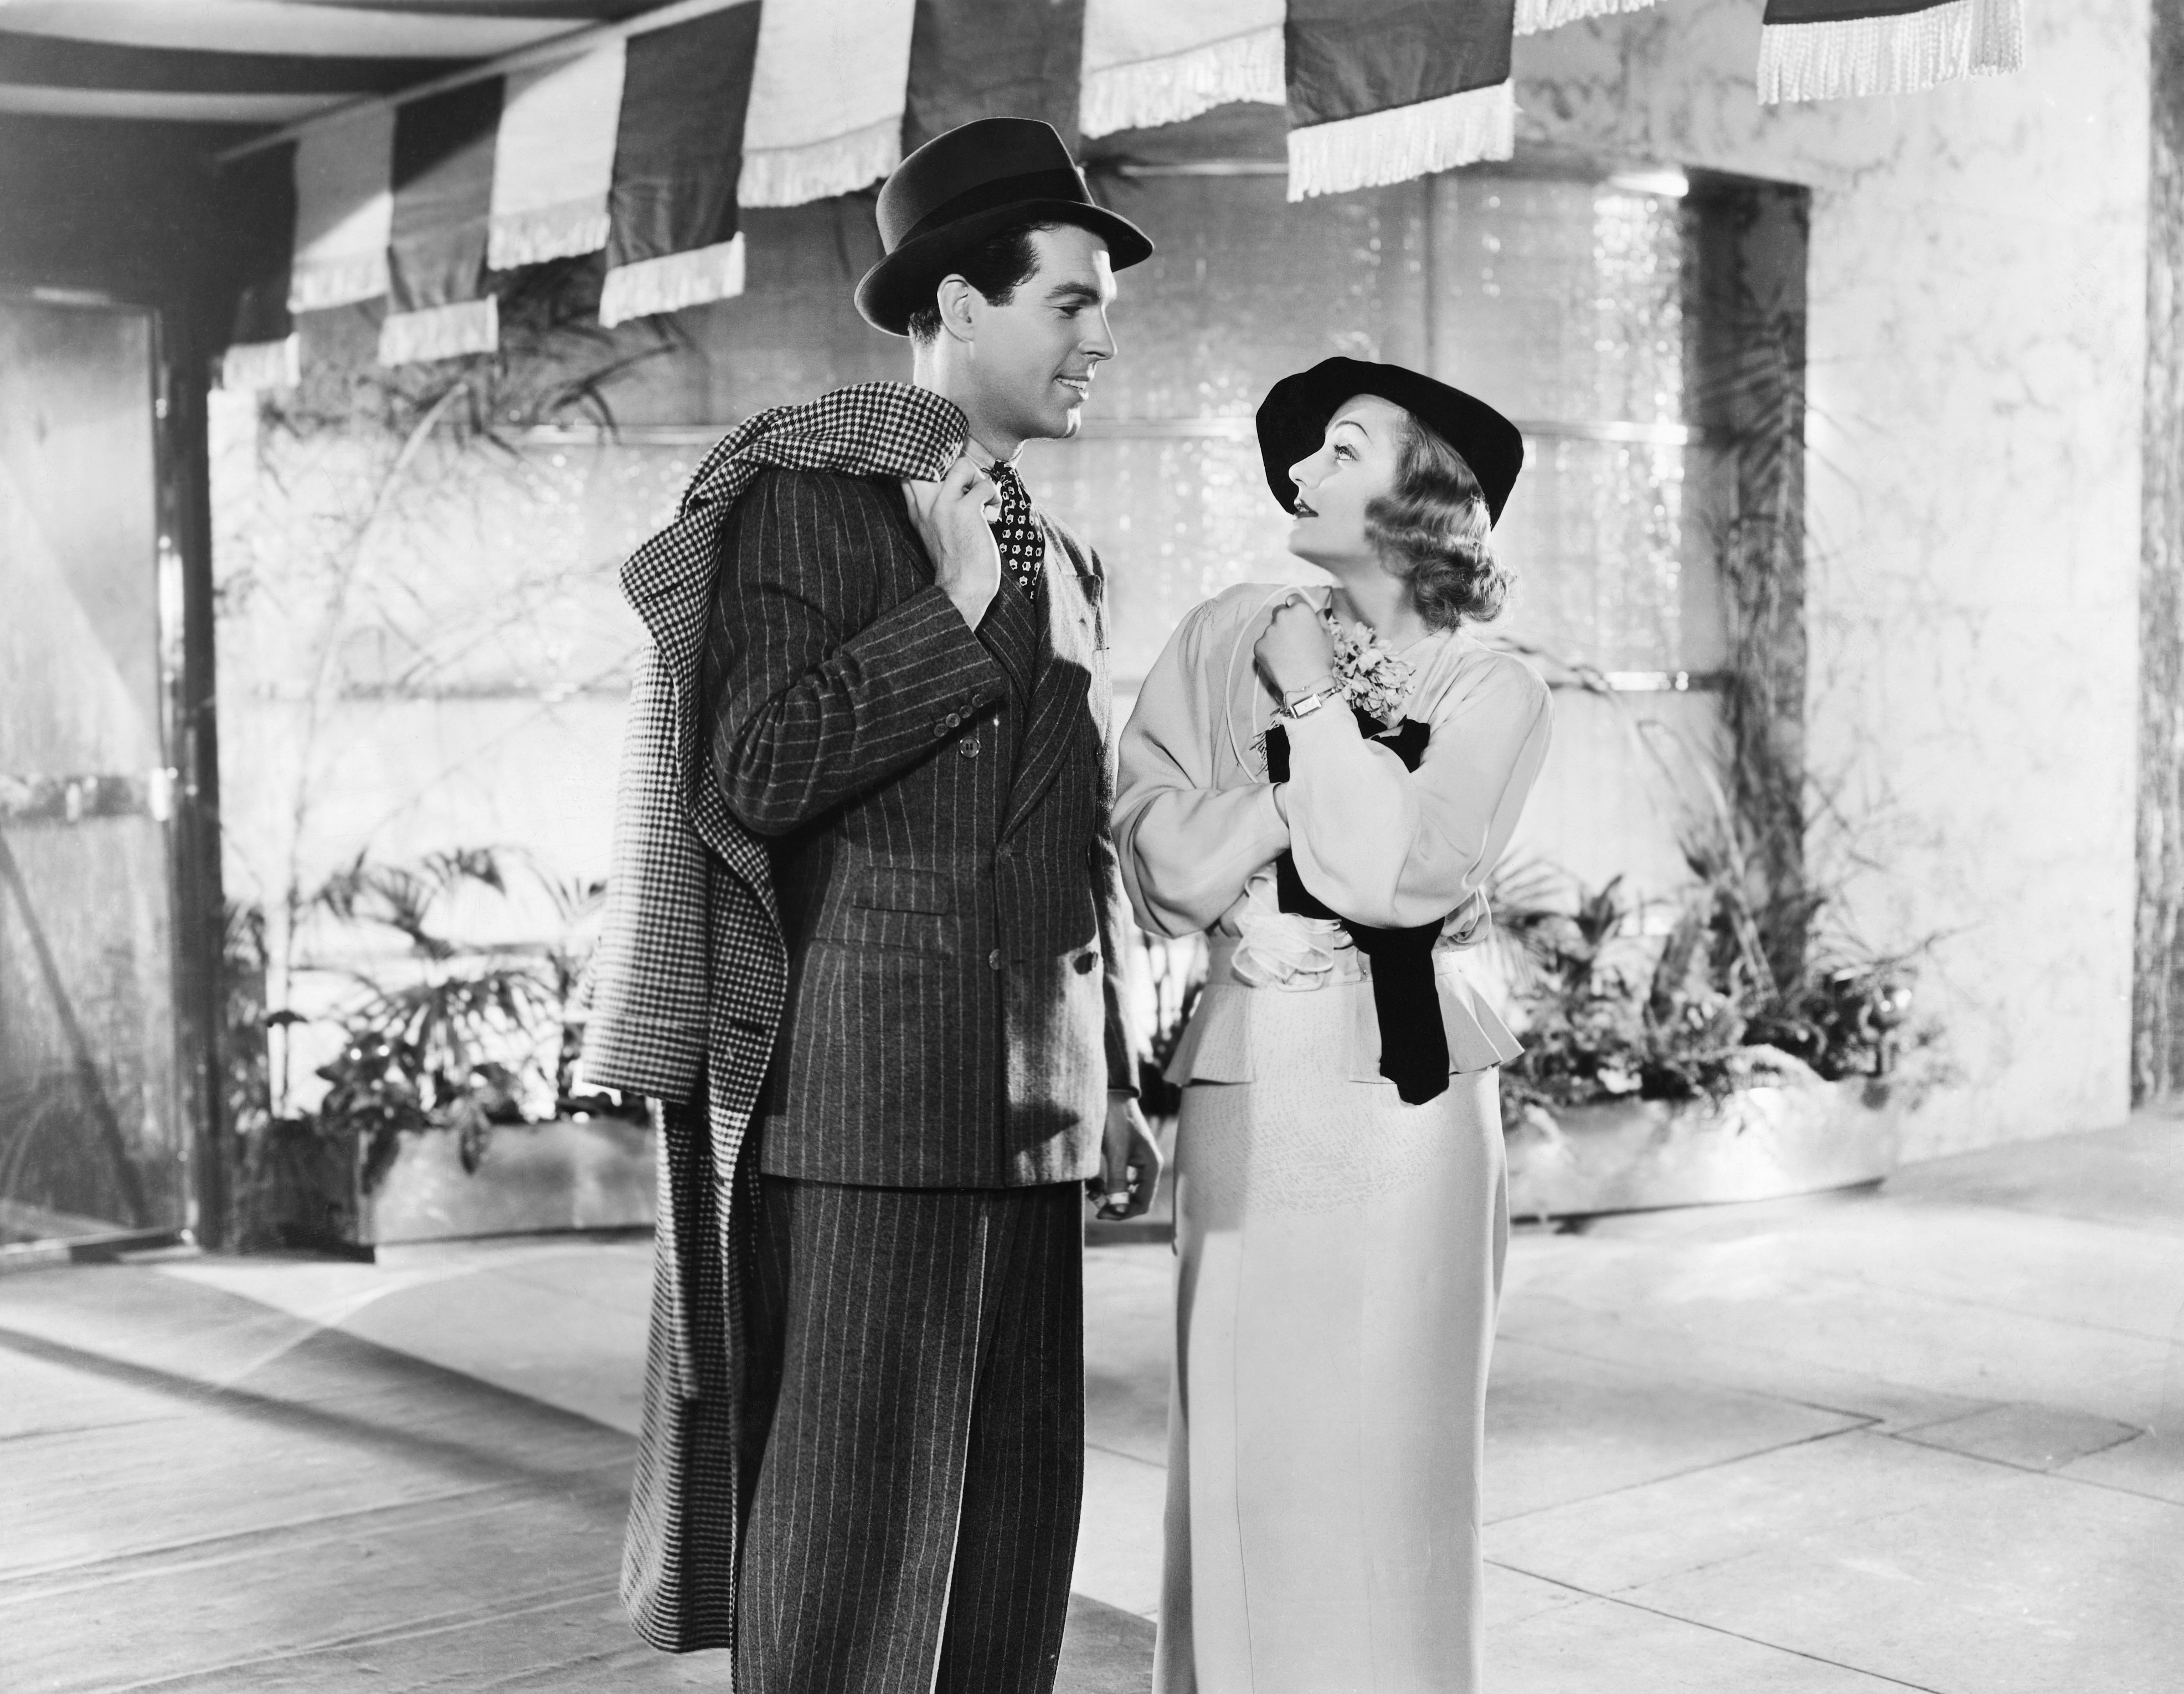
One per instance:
(1198,829)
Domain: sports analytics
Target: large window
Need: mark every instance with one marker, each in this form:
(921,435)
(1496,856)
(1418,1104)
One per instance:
(1586,305)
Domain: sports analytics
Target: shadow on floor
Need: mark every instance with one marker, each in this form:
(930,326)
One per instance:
(207,1494)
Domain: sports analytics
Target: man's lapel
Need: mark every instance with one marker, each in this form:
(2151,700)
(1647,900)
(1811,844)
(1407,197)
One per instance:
(1010,631)
(1061,686)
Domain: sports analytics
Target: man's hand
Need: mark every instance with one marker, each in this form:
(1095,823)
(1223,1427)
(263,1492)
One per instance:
(950,516)
(1129,1163)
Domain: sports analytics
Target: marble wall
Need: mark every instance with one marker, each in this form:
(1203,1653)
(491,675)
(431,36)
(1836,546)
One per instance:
(1975,354)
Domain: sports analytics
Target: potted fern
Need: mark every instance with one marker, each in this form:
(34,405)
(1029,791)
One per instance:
(1735,1047)
(450,1108)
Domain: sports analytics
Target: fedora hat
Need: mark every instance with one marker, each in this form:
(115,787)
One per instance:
(966,185)
(1293,418)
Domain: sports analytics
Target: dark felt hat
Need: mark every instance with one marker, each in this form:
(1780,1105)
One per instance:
(962,186)
(1293,421)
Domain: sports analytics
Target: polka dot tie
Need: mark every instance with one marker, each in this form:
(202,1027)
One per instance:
(1016,532)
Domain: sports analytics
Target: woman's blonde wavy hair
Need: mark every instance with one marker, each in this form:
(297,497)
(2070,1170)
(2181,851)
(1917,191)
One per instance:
(1431,527)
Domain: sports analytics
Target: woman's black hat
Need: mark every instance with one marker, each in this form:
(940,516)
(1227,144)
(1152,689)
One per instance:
(962,186)
(1293,421)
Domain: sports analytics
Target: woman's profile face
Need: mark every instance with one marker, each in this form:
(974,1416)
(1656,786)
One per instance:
(1355,464)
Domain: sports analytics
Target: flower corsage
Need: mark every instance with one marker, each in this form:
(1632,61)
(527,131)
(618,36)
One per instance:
(1373,681)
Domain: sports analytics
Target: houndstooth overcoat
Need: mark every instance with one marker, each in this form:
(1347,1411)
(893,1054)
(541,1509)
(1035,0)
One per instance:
(688,986)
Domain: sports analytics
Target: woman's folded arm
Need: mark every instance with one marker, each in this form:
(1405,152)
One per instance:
(1187,847)
(1394,848)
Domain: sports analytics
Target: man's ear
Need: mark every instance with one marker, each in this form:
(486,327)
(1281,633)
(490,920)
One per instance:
(958,302)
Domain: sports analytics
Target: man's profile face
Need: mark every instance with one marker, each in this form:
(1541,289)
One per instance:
(1033,358)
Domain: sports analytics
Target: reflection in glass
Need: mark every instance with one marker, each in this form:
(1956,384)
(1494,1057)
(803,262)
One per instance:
(92,1136)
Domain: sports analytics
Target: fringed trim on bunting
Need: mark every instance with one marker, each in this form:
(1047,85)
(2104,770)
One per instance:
(532,237)
(251,365)
(818,171)
(1903,54)
(1171,90)
(315,284)
(669,284)
(1535,16)
(1404,142)
(440,331)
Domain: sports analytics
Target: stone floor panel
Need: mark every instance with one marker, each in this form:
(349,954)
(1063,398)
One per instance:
(1602,1646)
(2040,1586)
(1613,1542)
(1562,1427)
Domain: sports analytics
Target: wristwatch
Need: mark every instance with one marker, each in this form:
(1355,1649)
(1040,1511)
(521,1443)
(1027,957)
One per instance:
(1306,701)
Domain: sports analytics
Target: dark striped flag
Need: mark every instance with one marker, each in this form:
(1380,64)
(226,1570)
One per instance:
(439,306)
(672,238)
(1382,90)
(994,59)
(1826,49)
(257,196)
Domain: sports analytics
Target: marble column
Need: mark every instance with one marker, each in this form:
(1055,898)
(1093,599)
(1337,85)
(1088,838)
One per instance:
(2158,985)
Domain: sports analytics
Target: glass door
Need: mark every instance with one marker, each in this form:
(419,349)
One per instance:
(93,1143)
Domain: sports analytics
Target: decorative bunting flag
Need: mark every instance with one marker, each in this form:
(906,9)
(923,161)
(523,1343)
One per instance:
(992,58)
(248,366)
(259,199)
(1826,49)
(1535,15)
(1382,90)
(344,204)
(1153,61)
(649,145)
(554,162)
(678,153)
(813,132)
(443,153)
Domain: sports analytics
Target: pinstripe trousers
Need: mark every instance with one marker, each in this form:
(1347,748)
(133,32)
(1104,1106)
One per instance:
(915,1513)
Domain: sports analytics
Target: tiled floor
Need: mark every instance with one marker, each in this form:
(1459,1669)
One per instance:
(1931,1438)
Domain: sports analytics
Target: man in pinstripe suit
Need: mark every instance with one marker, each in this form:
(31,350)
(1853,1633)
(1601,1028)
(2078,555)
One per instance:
(904,695)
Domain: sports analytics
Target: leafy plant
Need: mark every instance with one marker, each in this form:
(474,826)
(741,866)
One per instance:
(1701,1011)
(467,1036)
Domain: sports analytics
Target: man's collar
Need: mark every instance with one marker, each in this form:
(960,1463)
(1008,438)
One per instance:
(986,456)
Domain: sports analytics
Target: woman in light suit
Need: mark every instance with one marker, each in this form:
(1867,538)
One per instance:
(1322,780)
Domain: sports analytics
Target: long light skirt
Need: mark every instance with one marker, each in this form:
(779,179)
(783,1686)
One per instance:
(1340,1262)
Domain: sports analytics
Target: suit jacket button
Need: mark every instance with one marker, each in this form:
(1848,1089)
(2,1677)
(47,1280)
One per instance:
(993,960)
(954,720)
(969,749)
(941,728)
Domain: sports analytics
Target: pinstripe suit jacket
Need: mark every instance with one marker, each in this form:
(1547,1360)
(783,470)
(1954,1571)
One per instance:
(686,996)
(936,804)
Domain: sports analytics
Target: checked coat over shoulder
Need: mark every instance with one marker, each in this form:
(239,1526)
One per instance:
(736,982)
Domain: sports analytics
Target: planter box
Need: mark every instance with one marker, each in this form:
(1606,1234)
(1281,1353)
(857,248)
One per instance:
(1640,1155)
(590,1174)
(572,1173)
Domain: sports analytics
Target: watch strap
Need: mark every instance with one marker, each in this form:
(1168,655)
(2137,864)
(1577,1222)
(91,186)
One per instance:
(1306,701)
